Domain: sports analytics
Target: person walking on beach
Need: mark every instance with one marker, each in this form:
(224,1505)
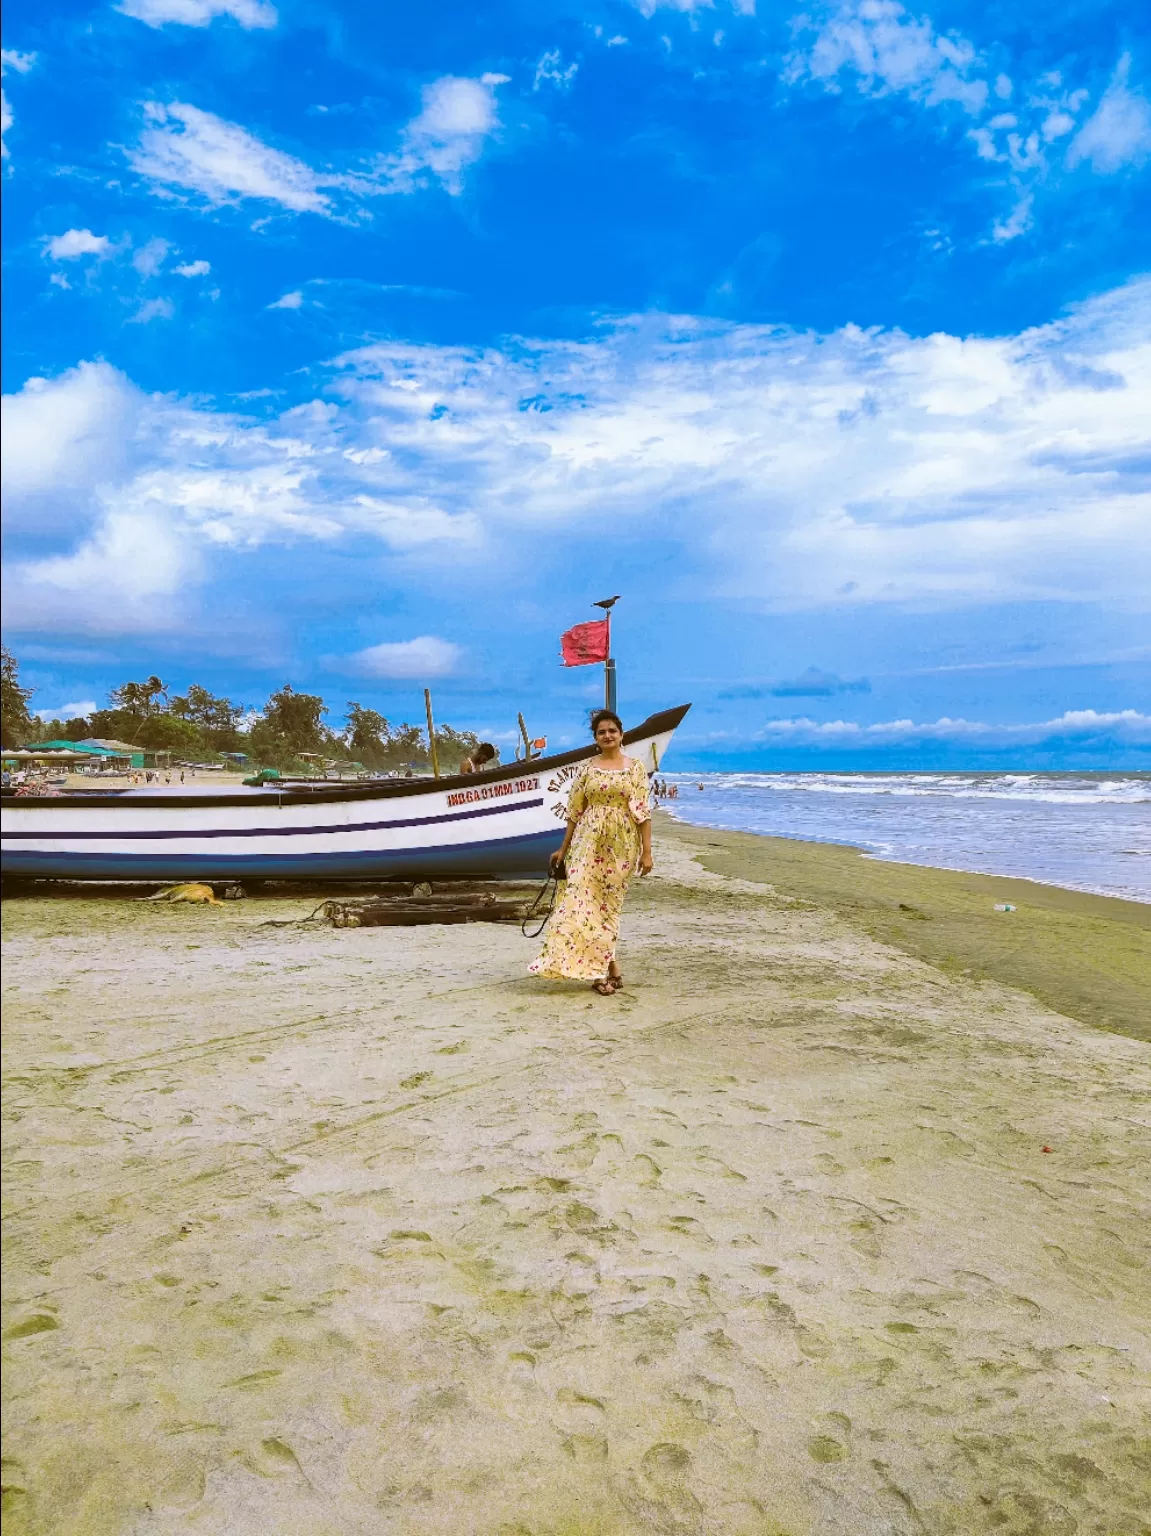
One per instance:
(608,838)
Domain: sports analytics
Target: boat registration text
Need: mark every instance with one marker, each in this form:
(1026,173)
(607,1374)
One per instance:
(493,791)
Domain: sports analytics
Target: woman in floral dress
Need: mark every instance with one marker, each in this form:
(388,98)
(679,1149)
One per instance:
(608,837)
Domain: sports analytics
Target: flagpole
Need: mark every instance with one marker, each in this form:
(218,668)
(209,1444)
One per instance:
(609,690)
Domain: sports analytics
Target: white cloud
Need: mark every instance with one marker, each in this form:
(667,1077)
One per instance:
(291,300)
(425,657)
(412,521)
(648,8)
(200,13)
(153,309)
(457,117)
(1017,222)
(161,488)
(550,70)
(779,469)
(185,147)
(883,50)
(74,243)
(137,555)
(888,51)
(70,711)
(130,575)
(11,58)
(799,470)
(63,439)
(1118,132)
(1074,725)
(150,257)
(193,269)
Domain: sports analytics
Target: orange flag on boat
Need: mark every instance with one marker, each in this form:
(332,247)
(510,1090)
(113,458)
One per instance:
(585,643)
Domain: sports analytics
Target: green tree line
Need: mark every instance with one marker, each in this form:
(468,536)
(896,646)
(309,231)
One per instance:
(197,726)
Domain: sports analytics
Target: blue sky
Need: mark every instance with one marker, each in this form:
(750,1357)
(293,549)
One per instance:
(365,346)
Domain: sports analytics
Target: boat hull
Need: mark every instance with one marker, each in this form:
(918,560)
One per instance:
(504,823)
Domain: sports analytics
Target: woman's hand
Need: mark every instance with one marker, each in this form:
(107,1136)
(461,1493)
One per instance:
(646,863)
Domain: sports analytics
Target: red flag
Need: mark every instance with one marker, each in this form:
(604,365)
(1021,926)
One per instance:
(585,643)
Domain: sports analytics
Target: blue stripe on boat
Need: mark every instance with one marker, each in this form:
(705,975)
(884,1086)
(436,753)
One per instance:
(526,855)
(193,833)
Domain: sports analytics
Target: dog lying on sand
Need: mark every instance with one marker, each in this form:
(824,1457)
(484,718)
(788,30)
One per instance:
(192,892)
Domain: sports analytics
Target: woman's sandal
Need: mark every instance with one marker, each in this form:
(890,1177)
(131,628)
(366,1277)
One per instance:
(605,986)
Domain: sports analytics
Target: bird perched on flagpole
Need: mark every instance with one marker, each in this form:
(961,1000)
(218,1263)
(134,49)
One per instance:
(607,603)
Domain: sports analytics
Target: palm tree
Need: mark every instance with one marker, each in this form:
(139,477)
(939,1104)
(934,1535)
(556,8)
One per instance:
(141,700)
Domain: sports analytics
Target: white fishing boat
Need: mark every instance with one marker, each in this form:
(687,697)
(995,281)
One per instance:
(502,822)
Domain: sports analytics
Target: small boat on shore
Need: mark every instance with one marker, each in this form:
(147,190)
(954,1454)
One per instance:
(502,822)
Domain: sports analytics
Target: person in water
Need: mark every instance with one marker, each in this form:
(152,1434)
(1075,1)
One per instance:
(483,757)
(608,838)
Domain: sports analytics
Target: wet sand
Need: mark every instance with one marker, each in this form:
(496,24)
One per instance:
(364,1230)
(1085,955)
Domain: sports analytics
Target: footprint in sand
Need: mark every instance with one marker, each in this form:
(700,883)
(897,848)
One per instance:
(831,1445)
(587,1450)
(39,1322)
(273,1457)
(716,1165)
(824,1449)
(579,1420)
(665,1462)
(664,1469)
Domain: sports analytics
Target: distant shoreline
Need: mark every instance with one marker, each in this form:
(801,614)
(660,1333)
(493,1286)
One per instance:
(826,771)
(677,774)
(1072,829)
(879,858)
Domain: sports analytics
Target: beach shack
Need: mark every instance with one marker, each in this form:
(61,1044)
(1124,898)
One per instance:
(138,757)
(116,757)
(41,761)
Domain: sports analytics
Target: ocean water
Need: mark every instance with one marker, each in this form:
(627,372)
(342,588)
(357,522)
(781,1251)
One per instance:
(1087,831)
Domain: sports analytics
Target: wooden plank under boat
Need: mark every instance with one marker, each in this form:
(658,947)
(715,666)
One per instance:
(503,822)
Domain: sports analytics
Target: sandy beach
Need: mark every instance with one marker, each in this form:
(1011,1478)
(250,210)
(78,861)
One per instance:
(833,1223)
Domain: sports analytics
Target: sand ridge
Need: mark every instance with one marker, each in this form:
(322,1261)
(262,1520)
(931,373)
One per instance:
(367,1231)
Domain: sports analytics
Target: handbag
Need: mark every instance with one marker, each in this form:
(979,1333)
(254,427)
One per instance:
(558,872)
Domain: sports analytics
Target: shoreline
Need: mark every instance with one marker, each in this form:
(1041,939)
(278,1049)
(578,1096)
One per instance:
(1080,952)
(1078,829)
(880,858)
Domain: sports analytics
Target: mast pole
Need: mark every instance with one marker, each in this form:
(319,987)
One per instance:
(435,756)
